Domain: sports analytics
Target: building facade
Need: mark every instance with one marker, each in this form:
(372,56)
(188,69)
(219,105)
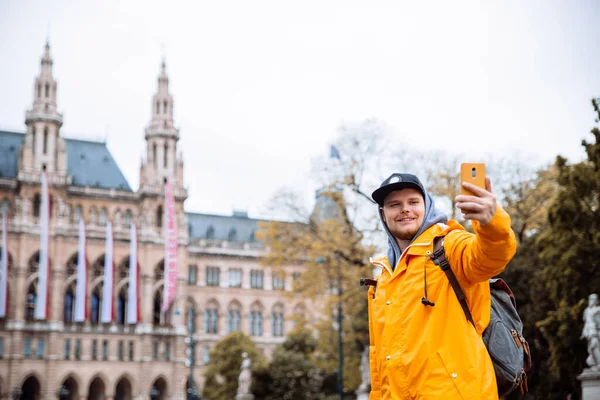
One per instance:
(219,271)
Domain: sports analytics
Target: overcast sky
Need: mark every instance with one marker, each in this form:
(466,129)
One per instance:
(260,87)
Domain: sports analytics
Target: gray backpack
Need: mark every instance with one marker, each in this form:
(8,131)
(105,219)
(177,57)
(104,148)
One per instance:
(503,337)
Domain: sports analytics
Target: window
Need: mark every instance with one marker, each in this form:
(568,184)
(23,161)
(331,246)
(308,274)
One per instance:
(77,214)
(210,232)
(103,215)
(232,236)
(31,299)
(157,107)
(211,320)
(69,304)
(78,349)
(212,276)
(154,148)
(192,274)
(256,323)
(39,351)
(235,277)
(120,350)
(27,347)
(165,107)
(105,350)
(45,141)
(159,217)
(131,349)
(127,218)
(39,90)
(37,201)
(297,281)
(277,320)
(155,346)
(233,321)
(256,279)
(1,347)
(95,306)
(47,91)
(94,349)
(117,218)
(165,154)
(122,305)
(278,282)
(206,355)
(33,134)
(167,351)
(67,349)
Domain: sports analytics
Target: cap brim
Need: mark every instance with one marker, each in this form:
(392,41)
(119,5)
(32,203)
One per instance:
(380,194)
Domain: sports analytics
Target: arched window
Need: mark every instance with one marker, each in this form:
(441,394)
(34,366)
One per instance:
(127,218)
(211,317)
(33,135)
(154,156)
(96,304)
(103,216)
(37,201)
(232,237)
(4,206)
(45,140)
(256,319)
(157,107)
(277,320)
(122,306)
(30,302)
(234,315)
(159,217)
(210,232)
(69,306)
(77,214)
(165,154)
(157,315)
(39,90)
(47,90)
(117,218)
(165,107)
(93,217)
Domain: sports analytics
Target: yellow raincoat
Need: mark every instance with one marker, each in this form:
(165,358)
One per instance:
(423,352)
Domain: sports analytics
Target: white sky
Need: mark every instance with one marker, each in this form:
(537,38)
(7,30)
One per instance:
(261,87)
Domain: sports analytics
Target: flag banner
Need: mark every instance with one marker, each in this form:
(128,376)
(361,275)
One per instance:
(170,265)
(109,277)
(133,309)
(41,304)
(4,266)
(81,288)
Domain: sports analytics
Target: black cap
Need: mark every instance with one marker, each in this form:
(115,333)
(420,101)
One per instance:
(397,181)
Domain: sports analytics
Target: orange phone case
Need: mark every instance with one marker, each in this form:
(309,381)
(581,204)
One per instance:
(473,173)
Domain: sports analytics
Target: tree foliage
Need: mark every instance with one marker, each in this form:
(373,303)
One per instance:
(225,363)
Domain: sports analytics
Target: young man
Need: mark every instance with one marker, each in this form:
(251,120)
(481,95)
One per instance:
(421,344)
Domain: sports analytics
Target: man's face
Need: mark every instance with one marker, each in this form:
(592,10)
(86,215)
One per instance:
(403,212)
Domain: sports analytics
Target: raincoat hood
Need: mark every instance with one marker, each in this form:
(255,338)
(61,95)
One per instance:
(432,217)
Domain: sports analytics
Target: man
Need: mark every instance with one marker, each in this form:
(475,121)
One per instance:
(421,344)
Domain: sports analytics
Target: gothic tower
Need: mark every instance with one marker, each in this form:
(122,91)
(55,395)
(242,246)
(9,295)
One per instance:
(43,145)
(162,160)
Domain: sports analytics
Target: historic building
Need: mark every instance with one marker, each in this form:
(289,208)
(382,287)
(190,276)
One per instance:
(219,270)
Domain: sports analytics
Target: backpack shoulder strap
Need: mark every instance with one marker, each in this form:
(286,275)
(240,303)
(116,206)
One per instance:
(439,259)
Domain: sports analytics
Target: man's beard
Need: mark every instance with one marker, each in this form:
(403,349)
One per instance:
(405,235)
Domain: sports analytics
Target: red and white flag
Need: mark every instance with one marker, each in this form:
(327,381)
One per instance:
(170,249)
(133,305)
(4,266)
(81,288)
(42,301)
(108,310)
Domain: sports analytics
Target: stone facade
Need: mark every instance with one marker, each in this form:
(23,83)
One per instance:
(218,266)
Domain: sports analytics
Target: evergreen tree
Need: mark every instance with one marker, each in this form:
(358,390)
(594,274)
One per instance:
(570,264)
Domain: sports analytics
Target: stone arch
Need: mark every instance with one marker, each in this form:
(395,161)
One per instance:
(97,387)
(69,388)
(31,387)
(160,385)
(124,388)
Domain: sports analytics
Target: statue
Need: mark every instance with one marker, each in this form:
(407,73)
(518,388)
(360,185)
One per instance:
(245,376)
(591,331)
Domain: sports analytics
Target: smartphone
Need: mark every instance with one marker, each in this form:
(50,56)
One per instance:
(473,173)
